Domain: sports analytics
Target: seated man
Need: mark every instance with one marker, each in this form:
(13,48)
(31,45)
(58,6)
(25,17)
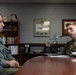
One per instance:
(71,45)
(8,64)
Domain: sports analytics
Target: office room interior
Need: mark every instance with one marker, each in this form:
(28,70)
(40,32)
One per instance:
(29,45)
(27,12)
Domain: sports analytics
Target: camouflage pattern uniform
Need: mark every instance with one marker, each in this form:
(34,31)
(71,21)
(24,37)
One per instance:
(5,54)
(70,47)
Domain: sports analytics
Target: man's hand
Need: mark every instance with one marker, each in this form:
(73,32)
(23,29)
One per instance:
(12,63)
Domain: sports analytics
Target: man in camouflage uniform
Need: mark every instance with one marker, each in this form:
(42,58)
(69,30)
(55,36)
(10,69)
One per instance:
(71,45)
(8,64)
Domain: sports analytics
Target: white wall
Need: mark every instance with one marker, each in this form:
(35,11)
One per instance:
(27,12)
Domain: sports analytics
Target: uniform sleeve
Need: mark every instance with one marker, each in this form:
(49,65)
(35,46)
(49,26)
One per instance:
(2,60)
(8,54)
(64,50)
(5,55)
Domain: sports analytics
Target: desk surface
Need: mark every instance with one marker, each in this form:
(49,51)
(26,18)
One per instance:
(44,65)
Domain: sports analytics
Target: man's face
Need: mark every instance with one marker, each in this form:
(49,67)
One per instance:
(1,24)
(71,30)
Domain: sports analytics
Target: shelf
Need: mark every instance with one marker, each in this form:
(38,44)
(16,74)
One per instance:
(11,44)
(10,36)
(9,31)
(11,22)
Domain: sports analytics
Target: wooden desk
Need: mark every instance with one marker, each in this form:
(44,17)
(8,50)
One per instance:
(44,65)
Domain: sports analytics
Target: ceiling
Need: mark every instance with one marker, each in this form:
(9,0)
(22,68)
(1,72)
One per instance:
(37,1)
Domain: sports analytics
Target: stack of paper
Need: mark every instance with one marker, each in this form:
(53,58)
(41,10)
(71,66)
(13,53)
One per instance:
(58,56)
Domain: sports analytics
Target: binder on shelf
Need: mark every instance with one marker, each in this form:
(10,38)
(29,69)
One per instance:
(12,40)
(14,50)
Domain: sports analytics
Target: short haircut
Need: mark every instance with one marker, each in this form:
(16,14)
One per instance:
(70,23)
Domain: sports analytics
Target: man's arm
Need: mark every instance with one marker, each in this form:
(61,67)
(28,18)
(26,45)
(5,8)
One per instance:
(12,63)
(7,59)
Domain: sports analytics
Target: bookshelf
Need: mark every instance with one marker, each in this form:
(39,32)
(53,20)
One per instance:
(10,37)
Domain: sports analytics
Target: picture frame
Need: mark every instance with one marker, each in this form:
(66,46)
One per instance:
(64,22)
(41,27)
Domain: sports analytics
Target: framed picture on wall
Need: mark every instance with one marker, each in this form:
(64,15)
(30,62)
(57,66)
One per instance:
(64,22)
(41,27)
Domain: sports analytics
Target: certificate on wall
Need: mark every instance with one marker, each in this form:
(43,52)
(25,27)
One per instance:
(41,27)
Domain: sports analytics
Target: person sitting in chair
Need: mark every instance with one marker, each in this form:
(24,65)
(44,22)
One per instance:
(70,45)
(8,64)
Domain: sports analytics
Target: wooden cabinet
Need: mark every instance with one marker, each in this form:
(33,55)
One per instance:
(34,47)
(10,37)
